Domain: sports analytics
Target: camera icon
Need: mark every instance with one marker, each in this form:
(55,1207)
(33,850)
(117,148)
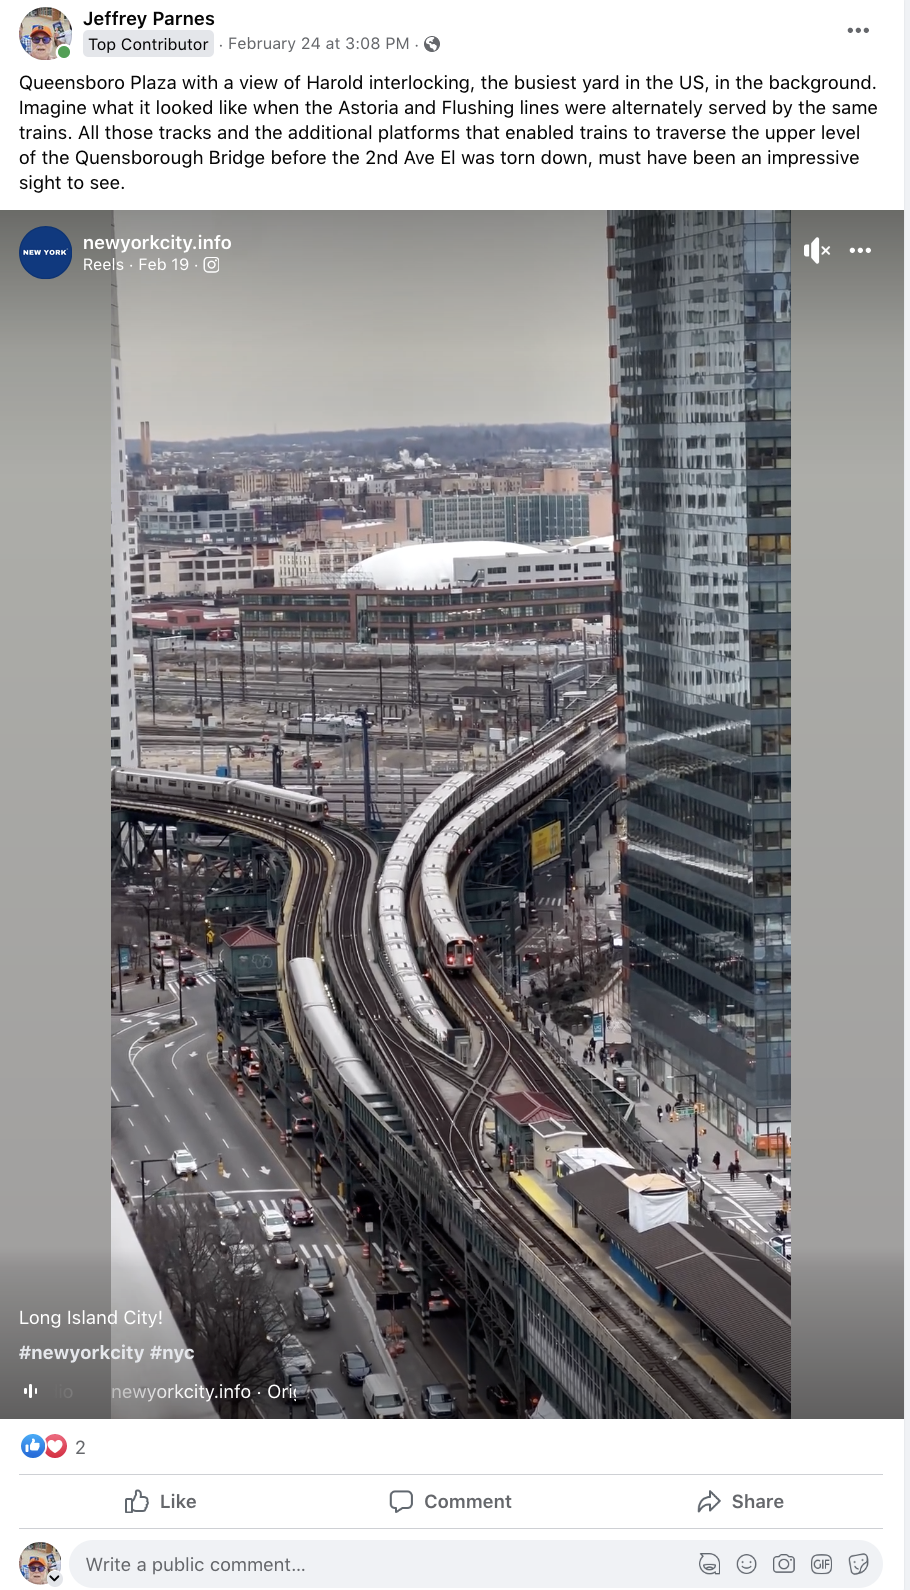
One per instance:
(212,264)
(784,1563)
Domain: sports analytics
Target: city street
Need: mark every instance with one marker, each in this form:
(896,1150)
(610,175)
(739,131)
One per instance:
(168,1094)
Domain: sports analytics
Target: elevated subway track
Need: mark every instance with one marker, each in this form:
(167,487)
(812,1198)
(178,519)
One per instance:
(483,1225)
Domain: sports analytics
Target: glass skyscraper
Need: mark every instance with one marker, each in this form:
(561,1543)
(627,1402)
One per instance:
(700,410)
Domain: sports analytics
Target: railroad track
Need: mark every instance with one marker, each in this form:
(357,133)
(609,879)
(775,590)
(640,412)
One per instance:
(456,1135)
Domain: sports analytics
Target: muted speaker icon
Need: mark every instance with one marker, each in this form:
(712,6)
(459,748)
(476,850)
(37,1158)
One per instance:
(816,249)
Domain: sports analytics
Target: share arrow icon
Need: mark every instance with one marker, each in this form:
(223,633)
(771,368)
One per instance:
(708,1503)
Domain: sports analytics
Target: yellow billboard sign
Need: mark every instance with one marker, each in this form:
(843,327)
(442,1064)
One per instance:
(546,843)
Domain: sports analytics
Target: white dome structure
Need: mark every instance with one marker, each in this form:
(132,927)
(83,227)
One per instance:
(420,565)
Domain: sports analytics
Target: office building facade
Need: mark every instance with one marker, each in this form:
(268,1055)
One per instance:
(700,407)
(524,517)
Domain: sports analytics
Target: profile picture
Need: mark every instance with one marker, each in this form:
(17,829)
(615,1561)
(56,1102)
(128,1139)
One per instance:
(46,34)
(39,1563)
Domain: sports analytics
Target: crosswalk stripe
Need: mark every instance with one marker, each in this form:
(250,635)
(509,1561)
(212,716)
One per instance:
(316,1252)
(252,1206)
(303,1250)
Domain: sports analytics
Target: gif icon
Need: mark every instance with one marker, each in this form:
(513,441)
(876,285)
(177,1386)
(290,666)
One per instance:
(821,1563)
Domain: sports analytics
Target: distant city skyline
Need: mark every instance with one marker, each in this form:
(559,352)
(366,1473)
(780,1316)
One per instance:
(329,322)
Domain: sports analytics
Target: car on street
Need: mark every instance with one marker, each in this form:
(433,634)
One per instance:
(186,954)
(302,1126)
(238,1056)
(439,1302)
(296,1387)
(355,1367)
(244,1260)
(252,1069)
(311,1309)
(165,963)
(274,1227)
(502,1400)
(437,1402)
(224,1206)
(319,1275)
(275,1320)
(284,1256)
(320,1403)
(188,980)
(295,1359)
(298,1211)
(183,1163)
(161,941)
(403,1264)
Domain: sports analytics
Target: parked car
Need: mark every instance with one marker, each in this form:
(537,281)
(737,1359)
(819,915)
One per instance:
(437,1402)
(295,1359)
(302,1126)
(252,1069)
(355,1367)
(298,1211)
(320,1403)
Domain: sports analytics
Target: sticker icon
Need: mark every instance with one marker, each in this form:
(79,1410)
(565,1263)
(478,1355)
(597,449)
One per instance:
(32,1445)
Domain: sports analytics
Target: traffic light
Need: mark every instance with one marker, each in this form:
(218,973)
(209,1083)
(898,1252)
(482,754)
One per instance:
(220,1165)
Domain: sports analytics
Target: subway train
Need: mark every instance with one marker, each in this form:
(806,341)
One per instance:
(449,937)
(400,866)
(323,1033)
(244,793)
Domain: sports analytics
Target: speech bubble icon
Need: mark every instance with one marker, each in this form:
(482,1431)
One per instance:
(400,1501)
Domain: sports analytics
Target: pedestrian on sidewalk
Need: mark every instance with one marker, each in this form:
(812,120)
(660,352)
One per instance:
(768,1180)
(716,1160)
(731,1170)
(696,1159)
(736,1164)
(689,1162)
(660,1113)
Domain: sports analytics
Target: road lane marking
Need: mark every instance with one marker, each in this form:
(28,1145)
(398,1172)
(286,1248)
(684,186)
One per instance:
(208,1118)
(116,1095)
(225,1142)
(168,1119)
(245,1172)
(189,1090)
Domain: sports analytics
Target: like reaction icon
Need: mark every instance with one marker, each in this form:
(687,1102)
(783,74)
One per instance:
(32,1445)
(137,1503)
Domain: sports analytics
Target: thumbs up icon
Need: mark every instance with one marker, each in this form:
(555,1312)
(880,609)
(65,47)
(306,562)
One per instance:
(137,1503)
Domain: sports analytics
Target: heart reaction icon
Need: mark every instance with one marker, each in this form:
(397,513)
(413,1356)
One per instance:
(54,1446)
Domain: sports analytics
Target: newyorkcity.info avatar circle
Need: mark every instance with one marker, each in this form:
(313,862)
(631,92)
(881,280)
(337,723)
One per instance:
(39,1563)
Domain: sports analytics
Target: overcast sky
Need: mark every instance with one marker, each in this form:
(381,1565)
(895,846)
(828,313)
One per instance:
(332,321)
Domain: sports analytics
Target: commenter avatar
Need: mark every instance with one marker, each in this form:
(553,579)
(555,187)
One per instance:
(45,33)
(39,1563)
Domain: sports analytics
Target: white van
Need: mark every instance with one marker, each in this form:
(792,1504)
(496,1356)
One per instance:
(382,1398)
(162,941)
